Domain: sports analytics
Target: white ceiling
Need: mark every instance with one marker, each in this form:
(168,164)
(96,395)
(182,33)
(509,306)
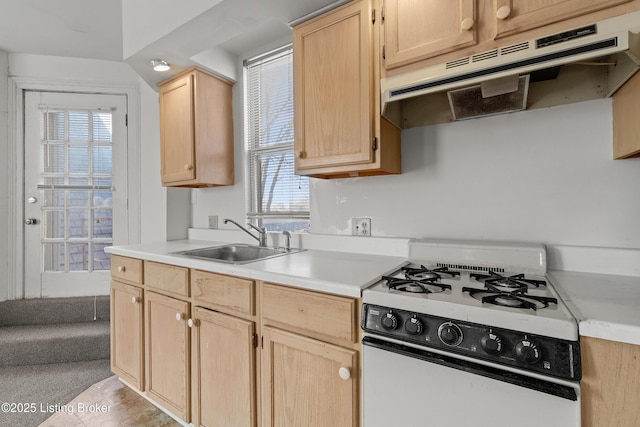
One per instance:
(71,28)
(93,29)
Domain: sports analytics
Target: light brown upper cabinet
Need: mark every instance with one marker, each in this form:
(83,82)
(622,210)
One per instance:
(196,130)
(418,29)
(420,33)
(515,16)
(338,128)
(626,114)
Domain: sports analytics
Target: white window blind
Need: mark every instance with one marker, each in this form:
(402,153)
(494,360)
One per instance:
(276,198)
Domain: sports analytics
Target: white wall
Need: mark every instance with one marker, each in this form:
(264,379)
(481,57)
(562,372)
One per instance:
(4,179)
(153,196)
(545,175)
(229,201)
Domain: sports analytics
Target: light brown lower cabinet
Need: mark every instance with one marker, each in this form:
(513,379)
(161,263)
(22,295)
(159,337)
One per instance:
(307,382)
(127,352)
(610,383)
(167,341)
(222,370)
(218,350)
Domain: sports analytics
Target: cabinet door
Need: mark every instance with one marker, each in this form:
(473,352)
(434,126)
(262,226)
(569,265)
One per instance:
(167,352)
(515,16)
(610,383)
(626,111)
(418,29)
(223,370)
(333,88)
(302,383)
(177,130)
(126,333)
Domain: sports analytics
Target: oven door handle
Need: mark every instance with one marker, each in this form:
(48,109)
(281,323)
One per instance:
(551,388)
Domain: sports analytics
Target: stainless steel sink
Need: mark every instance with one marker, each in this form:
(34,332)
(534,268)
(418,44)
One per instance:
(236,253)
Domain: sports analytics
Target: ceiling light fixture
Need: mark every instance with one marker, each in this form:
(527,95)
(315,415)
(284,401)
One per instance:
(160,65)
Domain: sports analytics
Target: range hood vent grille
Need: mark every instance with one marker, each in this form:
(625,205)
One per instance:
(457,63)
(533,60)
(485,55)
(514,48)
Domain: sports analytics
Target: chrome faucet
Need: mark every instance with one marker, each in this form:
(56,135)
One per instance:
(262,232)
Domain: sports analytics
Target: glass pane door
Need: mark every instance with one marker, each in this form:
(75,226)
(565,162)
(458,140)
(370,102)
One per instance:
(76,177)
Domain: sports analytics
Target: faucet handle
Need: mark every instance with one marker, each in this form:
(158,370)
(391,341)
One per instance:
(257,228)
(287,245)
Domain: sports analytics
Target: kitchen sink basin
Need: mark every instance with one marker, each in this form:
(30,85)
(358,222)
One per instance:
(236,253)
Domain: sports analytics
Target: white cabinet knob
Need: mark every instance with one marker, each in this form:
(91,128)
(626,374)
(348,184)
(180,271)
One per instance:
(344,373)
(191,323)
(503,12)
(122,269)
(135,300)
(466,24)
(188,167)
(179,316)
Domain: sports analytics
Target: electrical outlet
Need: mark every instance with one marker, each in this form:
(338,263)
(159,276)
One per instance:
(213,221)
(361,226)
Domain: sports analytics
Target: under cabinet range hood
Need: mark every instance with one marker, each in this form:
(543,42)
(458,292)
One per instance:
(612,46)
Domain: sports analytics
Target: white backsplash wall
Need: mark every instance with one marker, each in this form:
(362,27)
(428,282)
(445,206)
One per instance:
(544,175)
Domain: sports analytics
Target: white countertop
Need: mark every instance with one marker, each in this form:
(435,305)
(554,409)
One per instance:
(338,273)
(606,306)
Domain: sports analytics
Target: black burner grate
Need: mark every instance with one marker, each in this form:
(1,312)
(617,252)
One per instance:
(514,299)
(420,280)
(516,281)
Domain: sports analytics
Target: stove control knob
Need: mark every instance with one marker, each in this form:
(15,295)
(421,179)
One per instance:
(491,343)
(450,334)
(413,326)
(527,352)
(389,321)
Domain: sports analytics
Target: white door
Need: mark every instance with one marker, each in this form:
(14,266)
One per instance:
(75,191)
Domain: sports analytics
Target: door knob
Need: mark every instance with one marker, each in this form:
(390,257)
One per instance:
(30,221)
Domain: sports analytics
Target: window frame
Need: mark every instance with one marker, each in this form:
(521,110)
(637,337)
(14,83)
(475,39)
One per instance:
(254,152)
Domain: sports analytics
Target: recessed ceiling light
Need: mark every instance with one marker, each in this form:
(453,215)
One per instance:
(160,65)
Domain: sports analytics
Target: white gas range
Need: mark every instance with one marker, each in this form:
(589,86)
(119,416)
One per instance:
(468,325)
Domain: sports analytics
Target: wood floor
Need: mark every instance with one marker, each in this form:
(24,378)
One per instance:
(109,403)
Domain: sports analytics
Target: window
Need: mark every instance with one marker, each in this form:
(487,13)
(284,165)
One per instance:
(277,199)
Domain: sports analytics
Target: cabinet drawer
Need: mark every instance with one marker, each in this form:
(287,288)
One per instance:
(168,278)
(126,269)
(224,293)
(328,315)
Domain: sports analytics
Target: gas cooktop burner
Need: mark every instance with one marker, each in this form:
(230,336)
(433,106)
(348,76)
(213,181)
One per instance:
(515,282)
(423,273)
(514,299)
(423,286)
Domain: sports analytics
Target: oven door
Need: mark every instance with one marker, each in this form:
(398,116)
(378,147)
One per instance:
(410,387)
